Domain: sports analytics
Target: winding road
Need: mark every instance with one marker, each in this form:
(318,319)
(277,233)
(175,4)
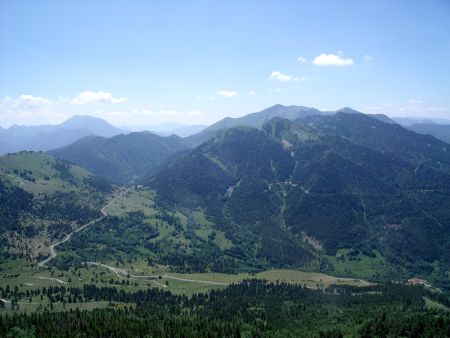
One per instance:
(65,239)
(117,271)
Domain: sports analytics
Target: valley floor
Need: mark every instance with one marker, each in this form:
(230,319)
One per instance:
(109,288)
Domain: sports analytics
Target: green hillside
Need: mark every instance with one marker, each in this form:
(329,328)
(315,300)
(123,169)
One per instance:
(296,193)
(254,120)
(42,199)
(138,229)
(122,158)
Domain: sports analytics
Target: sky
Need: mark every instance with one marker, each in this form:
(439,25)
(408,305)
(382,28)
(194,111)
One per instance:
(195,62)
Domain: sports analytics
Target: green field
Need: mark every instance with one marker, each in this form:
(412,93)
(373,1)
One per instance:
(205,230)
(41,174)
(27,276)
(351,263)
(134,200)
(433,305)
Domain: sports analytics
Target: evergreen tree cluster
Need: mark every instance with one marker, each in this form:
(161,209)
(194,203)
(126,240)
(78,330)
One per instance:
(253,308)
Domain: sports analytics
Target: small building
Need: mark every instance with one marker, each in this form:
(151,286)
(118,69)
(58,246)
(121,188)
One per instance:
(418,281)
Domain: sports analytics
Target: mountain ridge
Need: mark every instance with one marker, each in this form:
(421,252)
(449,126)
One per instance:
(346,180)
(121,158)
(440,131)
(253,120)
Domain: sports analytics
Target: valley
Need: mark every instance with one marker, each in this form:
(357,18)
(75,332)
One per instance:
(224,169)
(136,272)
(209,230)
(68,236)
(274,207)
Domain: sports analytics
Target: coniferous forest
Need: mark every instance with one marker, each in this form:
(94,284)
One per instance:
(252,308)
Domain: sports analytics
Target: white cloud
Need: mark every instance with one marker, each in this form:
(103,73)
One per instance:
(368,58)
(91,97)
(25,109)
(332,60)
(25,102)
(252,93)
(301,59)
(34,101)
(227,93)
(415,101)
(276,75)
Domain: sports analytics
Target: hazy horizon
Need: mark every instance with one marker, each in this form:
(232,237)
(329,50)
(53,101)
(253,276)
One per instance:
(144,63)
(168,125)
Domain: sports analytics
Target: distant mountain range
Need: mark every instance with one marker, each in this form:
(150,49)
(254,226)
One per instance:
(439,128)
(254,120)
(287,187)
(131,158)
(167,129)
(46,137)
(440,131)
(408,121)
(124,159)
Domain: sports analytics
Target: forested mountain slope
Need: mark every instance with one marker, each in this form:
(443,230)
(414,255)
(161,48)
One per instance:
(294,191)
(122,158)
(254,120)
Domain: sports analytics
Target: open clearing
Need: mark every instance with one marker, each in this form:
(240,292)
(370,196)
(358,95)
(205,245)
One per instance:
(28,276)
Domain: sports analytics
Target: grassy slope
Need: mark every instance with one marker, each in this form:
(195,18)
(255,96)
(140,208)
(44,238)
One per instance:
(136,200)
(27,276)
(144,200)
(343,264)
(359,265)
(42,166)
(64,187)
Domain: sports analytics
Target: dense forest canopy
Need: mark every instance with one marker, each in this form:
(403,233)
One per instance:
(249,309)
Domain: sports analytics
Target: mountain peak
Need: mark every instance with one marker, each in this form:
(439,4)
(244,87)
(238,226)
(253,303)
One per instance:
(77,119)
(255,120)
(96,125)
(348,110)
(122,158)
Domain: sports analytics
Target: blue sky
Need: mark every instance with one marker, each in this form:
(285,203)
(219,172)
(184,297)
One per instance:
(145,62)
